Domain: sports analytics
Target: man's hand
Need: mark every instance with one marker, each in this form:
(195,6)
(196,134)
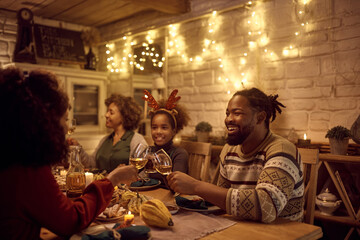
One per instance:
(182,183)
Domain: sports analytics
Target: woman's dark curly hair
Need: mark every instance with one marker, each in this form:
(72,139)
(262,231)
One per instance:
(32,107)
(182,117)
(261,102)
(128,108)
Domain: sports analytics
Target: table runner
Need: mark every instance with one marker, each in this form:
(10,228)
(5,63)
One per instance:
(191,225)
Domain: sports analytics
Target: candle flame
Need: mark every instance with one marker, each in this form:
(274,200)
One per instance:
(304,136)
(129,212)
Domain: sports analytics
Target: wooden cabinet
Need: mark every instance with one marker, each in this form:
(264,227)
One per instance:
(87,91)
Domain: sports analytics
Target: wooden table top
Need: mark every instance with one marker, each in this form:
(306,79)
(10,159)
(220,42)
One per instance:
(280,229)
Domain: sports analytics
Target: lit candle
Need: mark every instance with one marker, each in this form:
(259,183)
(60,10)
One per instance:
(88,178)
(304,142)
(128,218)
(63,172)
(304,136)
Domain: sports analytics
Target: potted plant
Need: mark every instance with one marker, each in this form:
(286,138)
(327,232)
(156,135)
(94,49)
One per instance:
(203,130)
(339,139)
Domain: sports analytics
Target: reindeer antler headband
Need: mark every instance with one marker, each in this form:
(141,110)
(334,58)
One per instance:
(169,107)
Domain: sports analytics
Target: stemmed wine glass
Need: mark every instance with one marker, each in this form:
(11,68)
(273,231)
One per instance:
(137,158)
(71,126)
(162,162)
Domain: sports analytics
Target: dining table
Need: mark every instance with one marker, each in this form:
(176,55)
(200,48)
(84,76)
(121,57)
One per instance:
(226,226)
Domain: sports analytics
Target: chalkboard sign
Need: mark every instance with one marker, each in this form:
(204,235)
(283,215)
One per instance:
(59,44)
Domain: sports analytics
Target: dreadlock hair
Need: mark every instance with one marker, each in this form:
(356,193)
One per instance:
(182,117)
(261,102)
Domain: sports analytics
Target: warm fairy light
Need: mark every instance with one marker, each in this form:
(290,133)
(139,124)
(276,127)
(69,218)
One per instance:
(297,33)
(305,136)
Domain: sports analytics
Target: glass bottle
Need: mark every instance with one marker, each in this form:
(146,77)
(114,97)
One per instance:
(75,177)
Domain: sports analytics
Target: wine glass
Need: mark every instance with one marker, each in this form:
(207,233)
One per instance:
(137,158)
(149,167)
(162,162)
(71,126)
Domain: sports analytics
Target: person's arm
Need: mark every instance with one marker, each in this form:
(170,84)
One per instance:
(183,183)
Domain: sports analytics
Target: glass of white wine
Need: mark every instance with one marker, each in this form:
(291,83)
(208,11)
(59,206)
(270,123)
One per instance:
(137,158)
(71,126)
(162,162)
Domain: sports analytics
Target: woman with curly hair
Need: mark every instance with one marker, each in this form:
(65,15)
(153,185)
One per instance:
(33,126)
(167,119)
(123,116)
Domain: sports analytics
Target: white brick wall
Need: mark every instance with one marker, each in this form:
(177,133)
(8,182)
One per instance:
(319,83)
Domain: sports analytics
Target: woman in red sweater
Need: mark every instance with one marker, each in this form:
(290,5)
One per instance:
(33,126)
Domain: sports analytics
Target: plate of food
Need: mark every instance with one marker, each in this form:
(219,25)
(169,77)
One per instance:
(144,184)
(196,204)
(112,214)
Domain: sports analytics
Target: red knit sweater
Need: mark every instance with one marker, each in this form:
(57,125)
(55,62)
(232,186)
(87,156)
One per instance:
(31,199)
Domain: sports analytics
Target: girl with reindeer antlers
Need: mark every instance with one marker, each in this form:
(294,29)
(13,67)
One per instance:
(167,119)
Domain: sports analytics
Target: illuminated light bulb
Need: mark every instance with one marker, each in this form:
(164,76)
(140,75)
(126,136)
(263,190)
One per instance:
(249,33)
(177,46)
(191,59)
(286,52)
(242,74)
(170,25)
(151,54)
(203,49)
(124,37)
(142,53)
(176,40)
(210,24)
(132,43)
(213,42)
(153,60)
(198,58)
(228,92)
(259,32)
(147,48)
(173,34)
(221,66)
(163,58)
(272,53)
(152,49)
(138,65)
(249,2)
(207,42)
(252,45)
(171,43)
(135,56)
(237,85)
(249,22)
(243,61)
(108,66)
(226,79)
(297,33)
(145,45)
(160,64)
(122,63)
(183,56)
(211,30)
(129,55)
(178,52)
(168,50)
(116,70)
(112,70)
(302,24)
(142,68)
(111,58)
(124,58)
(253,14)
(219,59)
(131,62)
(107,45)
(216,48)
(156,55)
(107,51)
(219,78)
(154,64)
(245,54)
(291,47)
(300,12)
(124,51)
(214,13)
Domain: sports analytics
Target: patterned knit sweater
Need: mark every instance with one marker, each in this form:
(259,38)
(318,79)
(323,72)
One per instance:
(264,184)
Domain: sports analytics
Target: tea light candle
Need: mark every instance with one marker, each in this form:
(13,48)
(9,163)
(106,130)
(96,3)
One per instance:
(128,218)
(304,142)
(89,177)
(63,172)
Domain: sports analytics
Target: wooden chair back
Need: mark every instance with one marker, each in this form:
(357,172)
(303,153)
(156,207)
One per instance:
(310,160)
(199,159)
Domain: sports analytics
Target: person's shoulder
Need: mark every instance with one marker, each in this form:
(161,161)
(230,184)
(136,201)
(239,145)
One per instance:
(278,143)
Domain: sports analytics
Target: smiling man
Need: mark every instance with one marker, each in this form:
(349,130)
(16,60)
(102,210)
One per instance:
(260,172)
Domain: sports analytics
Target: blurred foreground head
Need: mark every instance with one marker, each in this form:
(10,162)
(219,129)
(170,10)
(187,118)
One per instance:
(32,108)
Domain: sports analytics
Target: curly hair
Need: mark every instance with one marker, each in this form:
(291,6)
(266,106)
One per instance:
(182,117)
(261,102)
(128,108)
(32,108)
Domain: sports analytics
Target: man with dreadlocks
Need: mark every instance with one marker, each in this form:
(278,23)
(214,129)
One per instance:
(260,172)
